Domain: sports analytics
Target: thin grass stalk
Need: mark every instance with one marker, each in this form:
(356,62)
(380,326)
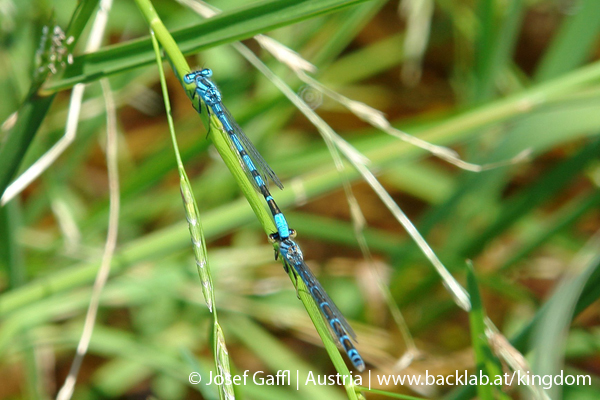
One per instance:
(485,361)
(66,391)
(192,215)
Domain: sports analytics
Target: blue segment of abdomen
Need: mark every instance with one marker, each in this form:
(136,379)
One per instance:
(218,110)
(236,143)
(282,227)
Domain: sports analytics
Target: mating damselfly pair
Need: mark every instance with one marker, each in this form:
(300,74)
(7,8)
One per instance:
(259,172)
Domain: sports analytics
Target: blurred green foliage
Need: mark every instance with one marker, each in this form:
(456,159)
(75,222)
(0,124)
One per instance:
(496,78)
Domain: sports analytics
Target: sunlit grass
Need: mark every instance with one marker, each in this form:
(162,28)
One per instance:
(485,90)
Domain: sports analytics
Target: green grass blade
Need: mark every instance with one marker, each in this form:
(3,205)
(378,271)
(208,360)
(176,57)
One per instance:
(224,28)
(485,33)
(30,117)
(550,333)
(11,258)
(485,360)
(81,16)
(573,43)
(479,341)
(495,57)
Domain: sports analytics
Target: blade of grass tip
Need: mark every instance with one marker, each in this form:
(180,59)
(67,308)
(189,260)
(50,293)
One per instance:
(192,215)
(33,110)
(66,391)
(511,356)
(44,162)
(484,358)
(66,220)
(223,367)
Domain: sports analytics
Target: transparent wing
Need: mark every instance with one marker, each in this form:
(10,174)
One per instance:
(263,168)
(311,281)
